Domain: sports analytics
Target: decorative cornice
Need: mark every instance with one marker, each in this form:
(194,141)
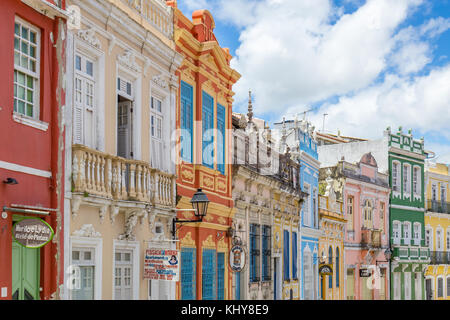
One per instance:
(88,35)
(128,60)
(87,230)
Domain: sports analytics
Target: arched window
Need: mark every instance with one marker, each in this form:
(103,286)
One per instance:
(330,261)
(337,267)
(429,237)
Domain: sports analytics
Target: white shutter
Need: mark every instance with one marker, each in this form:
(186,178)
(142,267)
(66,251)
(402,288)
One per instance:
(123,129)
(78,111)
(407,286)
(125,88)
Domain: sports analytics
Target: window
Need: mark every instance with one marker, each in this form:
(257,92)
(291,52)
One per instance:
(314,208)
(220,275)
(254,253)
(294,255)
(266,251)
(123,283)
(406,178)
(308,275)
(188,273)
(406,232)
(395,176)
(448,286)
(286,255)
(382,215)
(350,213)
(417,233)
(221,138)
(397,287)
(440,284)
(186,121)
(207,130)
(416,181)
(83,273)
(337,267)
(330,261)
(439,240)
(367,214)
(156,133)
(306,204)
(429,237)
(396,232)
(443,193)
(433,192)
(350,284)
(84,101)
(448,241)
(26,69)
(407,286)
(208,274)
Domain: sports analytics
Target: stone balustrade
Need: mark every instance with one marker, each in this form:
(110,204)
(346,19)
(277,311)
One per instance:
(105,175)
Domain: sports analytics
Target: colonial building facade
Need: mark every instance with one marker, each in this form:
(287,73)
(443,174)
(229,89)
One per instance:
(121,192)
(331,243)
(203,156)
(365,193)
(437,231)
(31,162)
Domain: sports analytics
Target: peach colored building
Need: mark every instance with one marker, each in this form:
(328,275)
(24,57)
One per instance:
(365,193)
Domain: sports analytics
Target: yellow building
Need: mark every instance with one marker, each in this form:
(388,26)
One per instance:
(437,231)
(331,221)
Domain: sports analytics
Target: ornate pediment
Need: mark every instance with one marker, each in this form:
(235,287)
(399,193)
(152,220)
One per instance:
(88,35)
(128,60)
(87,230)
(159,81)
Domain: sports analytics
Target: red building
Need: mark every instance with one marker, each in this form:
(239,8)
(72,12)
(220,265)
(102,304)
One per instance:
(32,34)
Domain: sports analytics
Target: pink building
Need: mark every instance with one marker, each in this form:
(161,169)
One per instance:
(365,192)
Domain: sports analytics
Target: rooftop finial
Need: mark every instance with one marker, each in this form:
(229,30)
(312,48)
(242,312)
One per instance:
(250,107)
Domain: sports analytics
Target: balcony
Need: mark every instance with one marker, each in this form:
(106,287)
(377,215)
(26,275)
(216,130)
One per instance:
(439,257)
(371,238)
(108,176)
(438,206)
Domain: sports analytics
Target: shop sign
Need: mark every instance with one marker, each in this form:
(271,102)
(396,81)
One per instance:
(32,232)
(237,258)
(325,270)
(161,264)
(364,273)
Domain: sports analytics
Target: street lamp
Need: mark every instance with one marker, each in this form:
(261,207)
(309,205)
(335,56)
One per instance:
(199,203)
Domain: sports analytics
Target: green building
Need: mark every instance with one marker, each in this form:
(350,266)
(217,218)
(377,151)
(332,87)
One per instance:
(407,226)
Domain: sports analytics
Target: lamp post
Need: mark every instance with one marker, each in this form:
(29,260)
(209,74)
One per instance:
(199,203)
(387,254)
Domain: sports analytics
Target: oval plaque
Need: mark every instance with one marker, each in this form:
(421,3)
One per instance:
(32,232)
(237,258)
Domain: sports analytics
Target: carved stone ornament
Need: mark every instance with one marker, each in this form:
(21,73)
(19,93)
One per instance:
(87,230)
(128,60)
(88,35)
(76,202)
(102,212)
(159,81)
(114,212)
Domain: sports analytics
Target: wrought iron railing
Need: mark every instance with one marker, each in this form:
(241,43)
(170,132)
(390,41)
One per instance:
(438,206)
(439,257)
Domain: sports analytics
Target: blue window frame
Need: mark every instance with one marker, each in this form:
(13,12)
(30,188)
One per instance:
(286,255)
(337,267)
(238,286)
(207,130)
(266,253)
(186,117)
(254,253)
(208,274)
(188,273)
(220,276)
(221,138)
(294,255)
(330,261)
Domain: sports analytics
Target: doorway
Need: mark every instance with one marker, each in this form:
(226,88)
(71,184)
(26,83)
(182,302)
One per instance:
(428,289)
(277,279)
(25,272)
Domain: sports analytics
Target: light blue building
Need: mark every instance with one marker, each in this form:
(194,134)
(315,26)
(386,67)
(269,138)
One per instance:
(300,137)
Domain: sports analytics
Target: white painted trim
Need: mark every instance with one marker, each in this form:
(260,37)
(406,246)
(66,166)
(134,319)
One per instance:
(96,244)
(31,122)
(24,169)
(396,206)
(134,247)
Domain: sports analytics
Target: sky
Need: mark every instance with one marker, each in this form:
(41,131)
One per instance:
(367,64)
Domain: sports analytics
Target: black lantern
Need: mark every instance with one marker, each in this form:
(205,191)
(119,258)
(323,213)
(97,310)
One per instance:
(388,254)
(199,206)
(200,203)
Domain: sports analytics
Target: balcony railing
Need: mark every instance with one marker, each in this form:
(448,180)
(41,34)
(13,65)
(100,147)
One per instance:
(439,257)
(371,238)
(438,206)
(109,176)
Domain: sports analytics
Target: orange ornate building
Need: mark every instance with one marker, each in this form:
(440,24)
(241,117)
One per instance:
(204,107)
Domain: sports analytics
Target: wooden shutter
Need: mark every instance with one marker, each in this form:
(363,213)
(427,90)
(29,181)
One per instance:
(208,274)
(221,138)
(124,129)
(294,255)
(186,118)
(188,274)
(125,88)
(207,134)
(78,111)
(220,276)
